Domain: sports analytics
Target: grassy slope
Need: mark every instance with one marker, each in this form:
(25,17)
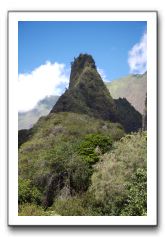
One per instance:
(132,87)
(57,130)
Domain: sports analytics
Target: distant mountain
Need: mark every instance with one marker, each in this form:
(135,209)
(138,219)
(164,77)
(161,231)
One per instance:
(88,94)
(132,87)
(27,119)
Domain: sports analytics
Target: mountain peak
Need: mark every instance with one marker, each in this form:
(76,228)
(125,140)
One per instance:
(87,92)
(82,62)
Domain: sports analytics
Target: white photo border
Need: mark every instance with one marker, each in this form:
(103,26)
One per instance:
(13,18)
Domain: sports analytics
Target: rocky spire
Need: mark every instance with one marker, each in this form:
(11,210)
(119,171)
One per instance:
(88,94)
(78,65)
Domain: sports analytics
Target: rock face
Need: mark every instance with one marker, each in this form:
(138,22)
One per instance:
(88,94)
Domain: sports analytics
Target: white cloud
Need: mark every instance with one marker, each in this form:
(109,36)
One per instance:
(102,74)
(137,58)
(47,79)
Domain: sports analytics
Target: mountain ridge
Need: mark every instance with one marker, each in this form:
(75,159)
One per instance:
(132,87)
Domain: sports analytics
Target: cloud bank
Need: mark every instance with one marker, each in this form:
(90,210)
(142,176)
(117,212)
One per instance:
(137,56)
(47,79)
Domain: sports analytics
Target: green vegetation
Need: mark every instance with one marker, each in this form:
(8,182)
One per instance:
(93,145)
(54,158)
(121,175)
(74,206)
(31,209)
(70,185)
(27,193)
(136,204)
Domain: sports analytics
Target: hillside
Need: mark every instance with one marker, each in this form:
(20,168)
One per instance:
(132,87)
(51,158)
(27,119)
(57,178)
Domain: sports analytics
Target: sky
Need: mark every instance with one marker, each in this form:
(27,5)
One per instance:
(46,49)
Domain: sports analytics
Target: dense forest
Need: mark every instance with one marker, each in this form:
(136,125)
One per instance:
(88,156)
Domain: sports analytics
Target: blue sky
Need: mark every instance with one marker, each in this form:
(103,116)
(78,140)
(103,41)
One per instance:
(108,43)
(118,48)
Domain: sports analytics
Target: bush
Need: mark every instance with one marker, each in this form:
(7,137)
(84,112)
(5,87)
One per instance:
(27,193)
(79,175)
(92,146)
(30,209)
(136,204)
(69,207)
(75,206)
(66,170)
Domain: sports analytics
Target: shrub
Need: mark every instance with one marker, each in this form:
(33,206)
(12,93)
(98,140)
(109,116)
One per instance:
(79,175)
(66,170)
(136,204)
(69,207)
(75,206)
(30,209)
(27,193)
(93,145)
